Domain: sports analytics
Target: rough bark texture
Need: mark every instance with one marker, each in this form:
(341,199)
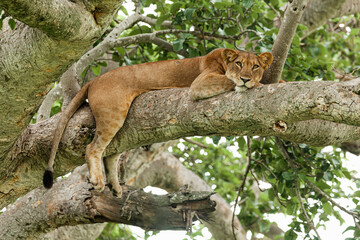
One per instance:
(71,201)
(33,57)
(171,114)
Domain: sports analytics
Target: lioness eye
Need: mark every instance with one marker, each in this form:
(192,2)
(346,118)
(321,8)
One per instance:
(255,67)
(239,64)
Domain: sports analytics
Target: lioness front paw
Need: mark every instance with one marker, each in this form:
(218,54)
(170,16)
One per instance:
(240,89)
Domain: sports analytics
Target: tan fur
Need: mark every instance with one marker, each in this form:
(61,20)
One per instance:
(111,94)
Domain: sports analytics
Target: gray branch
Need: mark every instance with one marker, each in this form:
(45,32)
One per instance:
(72,201)
(32,57)
(316,113)
(283,40)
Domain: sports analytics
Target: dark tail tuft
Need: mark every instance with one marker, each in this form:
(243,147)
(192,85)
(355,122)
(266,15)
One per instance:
(48,179)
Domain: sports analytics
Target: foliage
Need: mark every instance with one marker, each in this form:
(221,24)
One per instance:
(288,168)
(224,172)
(116,231)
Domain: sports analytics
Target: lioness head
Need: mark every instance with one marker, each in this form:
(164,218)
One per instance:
(245,68)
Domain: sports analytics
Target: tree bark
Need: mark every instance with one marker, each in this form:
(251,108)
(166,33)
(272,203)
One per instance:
(141,166)
(71,201)
(170,114)
(283,40)
(33,57)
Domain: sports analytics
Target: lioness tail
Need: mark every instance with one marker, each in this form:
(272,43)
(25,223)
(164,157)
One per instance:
(75,103)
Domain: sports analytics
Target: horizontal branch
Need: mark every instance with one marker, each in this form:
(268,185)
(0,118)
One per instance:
(163,115)
(168,173)
(71,201)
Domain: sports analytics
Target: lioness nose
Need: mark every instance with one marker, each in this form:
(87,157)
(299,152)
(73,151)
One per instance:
(245,79)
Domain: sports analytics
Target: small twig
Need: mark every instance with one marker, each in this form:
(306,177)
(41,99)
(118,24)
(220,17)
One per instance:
(322,193)
(256,180)
(195,142)
(343,76)
(242,184)
(356,223)
(276,11)
(305,157)
(285,153)
(137,7)
(309,222)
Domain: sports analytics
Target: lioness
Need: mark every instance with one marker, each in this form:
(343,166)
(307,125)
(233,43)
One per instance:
(111,94)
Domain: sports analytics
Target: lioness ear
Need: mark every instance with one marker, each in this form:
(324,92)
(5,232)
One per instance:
(266,59)
(229,55)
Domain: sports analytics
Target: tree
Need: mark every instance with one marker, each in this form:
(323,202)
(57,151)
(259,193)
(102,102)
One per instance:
(67,42)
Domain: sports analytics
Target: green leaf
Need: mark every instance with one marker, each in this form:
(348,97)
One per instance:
(270,15)
(327,208)
(178,44)
(242,143)
(232,30)
(248,3)
(264,226)
(175,7)
(123,9)
(220,5)
(291,208)
(350,228)
(216,139)
(290,235)
(189,13)
(11,23)
(328,176)
(161,19)
(271,194)
(128,61)
(288,175)
(96,69)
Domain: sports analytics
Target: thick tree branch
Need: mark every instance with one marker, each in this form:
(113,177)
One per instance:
(71,201)
(31,58)
(166,172)
(318,12)
(171,114)
(283,40)
(58,19)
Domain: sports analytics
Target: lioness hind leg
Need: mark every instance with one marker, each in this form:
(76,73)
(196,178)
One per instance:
(105,132)
(93,155)
(115,166)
